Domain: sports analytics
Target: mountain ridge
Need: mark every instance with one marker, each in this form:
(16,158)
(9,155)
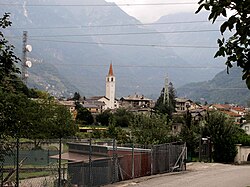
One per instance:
(223,88)
(83,60)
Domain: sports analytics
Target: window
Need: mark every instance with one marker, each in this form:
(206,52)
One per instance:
(112,79)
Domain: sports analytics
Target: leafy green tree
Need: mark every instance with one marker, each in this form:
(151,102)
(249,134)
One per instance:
(148,130)
(247,117)
(117,133)
(242,137)
(76,96)
(104,117)
(13,119)
(14,109)
(61,123)
(122,117)
(167,107)
(190,133)
(236,48)
(84,116)
(8,60)
(223,134)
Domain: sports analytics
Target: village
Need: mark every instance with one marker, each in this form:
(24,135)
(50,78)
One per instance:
(127,135)
(141,104)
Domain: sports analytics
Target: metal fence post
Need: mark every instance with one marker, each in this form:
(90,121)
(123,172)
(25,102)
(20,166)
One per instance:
(90,162)
(17,162)
(152,160)
(133,161)
(60,159)
(114,161)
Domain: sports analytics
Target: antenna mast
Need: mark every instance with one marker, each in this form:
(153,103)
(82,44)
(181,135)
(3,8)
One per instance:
(166,91)
(24,70)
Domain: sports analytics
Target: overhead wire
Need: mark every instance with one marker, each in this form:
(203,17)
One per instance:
(126,44)
(120,34)
(103,43)
(110,25)
(140,66)
(99,5)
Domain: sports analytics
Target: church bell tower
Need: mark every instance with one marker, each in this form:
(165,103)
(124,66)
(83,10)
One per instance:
(110,87)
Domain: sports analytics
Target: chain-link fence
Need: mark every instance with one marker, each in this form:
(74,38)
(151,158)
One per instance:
(88,163)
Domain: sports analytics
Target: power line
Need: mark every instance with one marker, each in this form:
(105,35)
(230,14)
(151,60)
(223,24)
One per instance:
(142,66)
(111,25)
(120,34)
(126,44)
(98,5)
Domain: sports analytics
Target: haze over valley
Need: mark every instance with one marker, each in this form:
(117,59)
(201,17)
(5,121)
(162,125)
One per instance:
(74,45)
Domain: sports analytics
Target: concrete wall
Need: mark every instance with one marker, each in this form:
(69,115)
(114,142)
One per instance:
(243,154)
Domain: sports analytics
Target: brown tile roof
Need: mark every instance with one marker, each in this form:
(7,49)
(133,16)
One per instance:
(111,70)
(231,114)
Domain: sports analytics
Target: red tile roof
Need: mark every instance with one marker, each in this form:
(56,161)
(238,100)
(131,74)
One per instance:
(111,70)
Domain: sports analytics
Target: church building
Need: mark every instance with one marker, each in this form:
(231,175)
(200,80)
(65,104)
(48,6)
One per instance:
(109,99)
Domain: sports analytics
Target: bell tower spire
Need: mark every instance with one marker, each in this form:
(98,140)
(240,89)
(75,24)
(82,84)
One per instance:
(110,87)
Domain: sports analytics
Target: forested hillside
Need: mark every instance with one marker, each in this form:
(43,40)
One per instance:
(223,88)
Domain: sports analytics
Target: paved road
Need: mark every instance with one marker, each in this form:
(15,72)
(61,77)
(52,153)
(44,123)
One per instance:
(198,175)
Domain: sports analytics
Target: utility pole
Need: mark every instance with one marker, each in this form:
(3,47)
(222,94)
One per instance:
(25,62)
(166,91)
(24,70)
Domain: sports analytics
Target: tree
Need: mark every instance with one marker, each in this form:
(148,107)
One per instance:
(236,47)
(13,119)
(61,123)
(190,133)
(104,118)
(8,60)
(167,107)
(223,134)
(117,133)
(148,130)
(122,117)
(76,96)
(84,116)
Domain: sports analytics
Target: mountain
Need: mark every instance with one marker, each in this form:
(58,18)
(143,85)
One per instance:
(79,42)
(223,88)
(44,76)
(193,30)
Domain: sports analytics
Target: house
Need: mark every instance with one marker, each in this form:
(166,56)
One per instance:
(69,104)
(136,102)
(94,105)
(219,107)
(246,127)
(239,110)
(183,104)
(109,100)
(234,112)
(237,118)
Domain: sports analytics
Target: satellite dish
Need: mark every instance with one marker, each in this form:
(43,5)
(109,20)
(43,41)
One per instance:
(29,48)
(28,64)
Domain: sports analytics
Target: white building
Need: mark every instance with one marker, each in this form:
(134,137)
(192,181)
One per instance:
(109,99)
(110,88)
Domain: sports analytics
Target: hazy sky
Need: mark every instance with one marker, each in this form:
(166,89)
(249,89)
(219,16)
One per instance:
(151,13)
